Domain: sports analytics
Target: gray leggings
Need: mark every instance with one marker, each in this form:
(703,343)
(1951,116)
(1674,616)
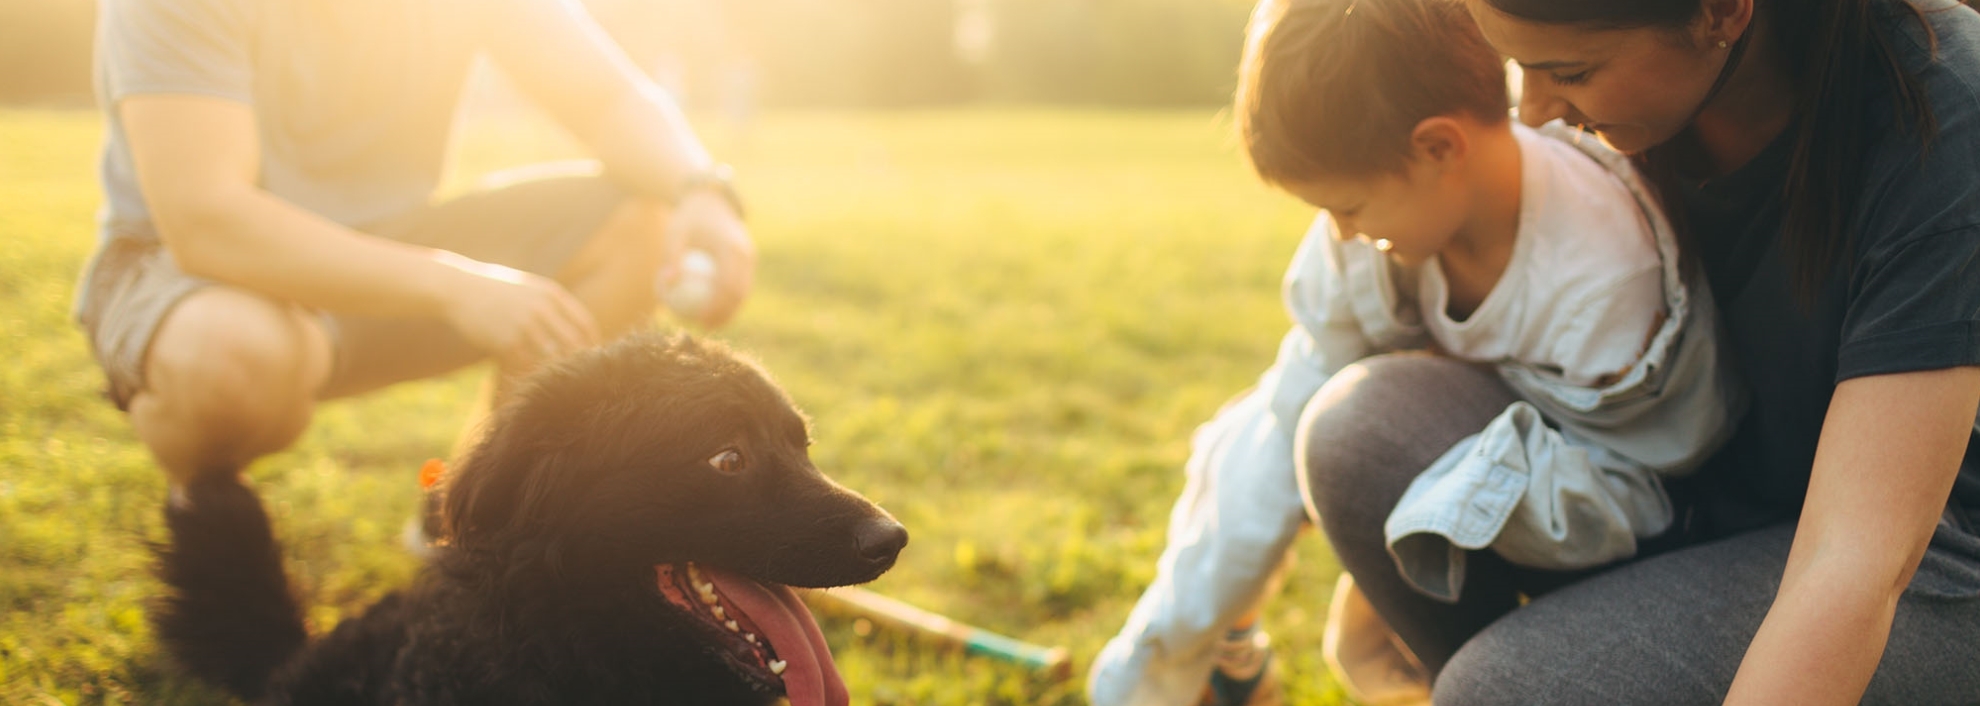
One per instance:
(1669,629)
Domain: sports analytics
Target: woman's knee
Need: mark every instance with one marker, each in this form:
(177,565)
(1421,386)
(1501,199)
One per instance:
(1669,629)
(1529,664)
(1378,423)
(1492,671)
(1523,661)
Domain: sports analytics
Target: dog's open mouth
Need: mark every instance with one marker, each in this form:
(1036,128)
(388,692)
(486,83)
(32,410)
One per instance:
(762,630)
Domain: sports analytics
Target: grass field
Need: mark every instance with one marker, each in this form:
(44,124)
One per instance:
(1005,323)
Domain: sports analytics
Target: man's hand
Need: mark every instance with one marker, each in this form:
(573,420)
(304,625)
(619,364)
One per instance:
(705,221)
(520,319)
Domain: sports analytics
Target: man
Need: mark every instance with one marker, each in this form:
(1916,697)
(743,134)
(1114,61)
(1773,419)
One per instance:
(268,240)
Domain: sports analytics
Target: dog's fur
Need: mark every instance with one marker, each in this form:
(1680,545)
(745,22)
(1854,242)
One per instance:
(602,470)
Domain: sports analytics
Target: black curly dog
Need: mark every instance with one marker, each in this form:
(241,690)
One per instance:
(625,533)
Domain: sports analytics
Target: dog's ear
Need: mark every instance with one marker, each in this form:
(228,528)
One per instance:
(501,486)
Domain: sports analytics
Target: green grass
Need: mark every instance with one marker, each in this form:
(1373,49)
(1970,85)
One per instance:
(1005,324)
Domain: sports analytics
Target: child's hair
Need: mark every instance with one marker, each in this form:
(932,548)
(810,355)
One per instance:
(1333,88)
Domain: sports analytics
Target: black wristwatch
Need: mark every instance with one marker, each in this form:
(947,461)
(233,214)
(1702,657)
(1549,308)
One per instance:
(719,178)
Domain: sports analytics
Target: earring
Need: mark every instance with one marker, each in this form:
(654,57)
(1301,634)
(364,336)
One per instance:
(1722,44)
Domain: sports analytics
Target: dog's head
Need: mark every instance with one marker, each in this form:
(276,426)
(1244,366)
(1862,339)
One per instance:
(672,455)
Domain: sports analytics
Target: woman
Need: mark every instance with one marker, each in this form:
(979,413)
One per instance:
(1824,159)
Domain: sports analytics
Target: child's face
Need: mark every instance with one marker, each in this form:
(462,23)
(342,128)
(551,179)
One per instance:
(1411,216)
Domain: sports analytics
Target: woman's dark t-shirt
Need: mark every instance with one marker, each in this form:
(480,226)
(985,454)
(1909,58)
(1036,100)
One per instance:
(1907,298)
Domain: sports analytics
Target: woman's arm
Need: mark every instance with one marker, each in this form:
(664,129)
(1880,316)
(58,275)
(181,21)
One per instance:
(1890,449)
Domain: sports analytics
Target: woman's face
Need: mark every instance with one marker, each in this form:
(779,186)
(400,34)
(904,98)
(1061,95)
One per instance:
(1635,87)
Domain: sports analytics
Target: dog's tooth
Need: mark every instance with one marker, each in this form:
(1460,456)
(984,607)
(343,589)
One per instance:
(750,636)
(731,625)
(719,614)
(777,666)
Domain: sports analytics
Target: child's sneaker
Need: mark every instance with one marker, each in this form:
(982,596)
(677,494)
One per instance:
(1245,674)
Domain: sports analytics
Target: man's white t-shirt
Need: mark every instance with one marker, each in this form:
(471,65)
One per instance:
(1584,288)
(353,100)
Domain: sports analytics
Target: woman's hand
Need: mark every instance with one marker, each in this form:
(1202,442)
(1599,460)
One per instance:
(1884,468)
(519,318)
(705,221)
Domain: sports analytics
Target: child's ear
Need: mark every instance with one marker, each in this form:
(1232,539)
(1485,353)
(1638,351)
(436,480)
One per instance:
(1439,140)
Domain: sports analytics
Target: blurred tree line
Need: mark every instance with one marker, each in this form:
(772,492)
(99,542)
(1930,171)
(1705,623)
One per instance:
(819,52)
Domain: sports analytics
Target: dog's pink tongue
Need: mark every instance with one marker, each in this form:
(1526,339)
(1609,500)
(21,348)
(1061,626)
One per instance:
(810,679)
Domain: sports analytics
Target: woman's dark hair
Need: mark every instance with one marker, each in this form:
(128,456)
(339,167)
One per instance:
(1832,49)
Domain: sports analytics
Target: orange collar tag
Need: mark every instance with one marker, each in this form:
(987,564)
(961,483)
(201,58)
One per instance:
(430,472)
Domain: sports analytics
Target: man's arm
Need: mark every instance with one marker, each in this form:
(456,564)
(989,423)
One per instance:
(560,57)
(1890,449)
(197,162)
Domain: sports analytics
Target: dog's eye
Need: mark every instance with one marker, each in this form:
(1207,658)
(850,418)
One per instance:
(729,462)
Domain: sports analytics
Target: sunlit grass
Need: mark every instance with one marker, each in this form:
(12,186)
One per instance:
(1005,324)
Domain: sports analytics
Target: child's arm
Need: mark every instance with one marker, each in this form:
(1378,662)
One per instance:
(1240,508)
(1570,477)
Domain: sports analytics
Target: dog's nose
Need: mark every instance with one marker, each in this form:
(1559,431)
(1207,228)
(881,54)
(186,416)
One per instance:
(880,540)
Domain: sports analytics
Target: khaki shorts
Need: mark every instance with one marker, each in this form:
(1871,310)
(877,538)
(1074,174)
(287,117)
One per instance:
(132,283)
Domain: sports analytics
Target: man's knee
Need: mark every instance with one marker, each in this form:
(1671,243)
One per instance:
(615,272)
(228,362)
(632,238)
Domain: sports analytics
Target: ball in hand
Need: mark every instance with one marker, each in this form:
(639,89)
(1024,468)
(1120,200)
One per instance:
(693,287)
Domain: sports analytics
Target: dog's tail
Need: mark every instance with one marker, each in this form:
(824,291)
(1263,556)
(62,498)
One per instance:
(228,616)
